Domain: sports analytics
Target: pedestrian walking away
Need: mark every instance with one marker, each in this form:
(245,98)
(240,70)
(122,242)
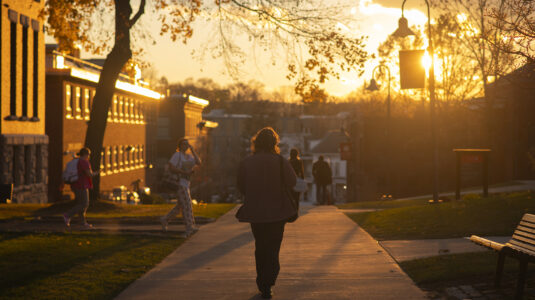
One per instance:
(267,206)
(81,188)
(182,164)
(322,178)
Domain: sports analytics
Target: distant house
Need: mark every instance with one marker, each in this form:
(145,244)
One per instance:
(329,148)
(129,141)
(23,142)
(514,124)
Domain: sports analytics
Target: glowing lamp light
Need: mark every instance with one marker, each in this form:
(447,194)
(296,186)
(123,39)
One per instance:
(426,61)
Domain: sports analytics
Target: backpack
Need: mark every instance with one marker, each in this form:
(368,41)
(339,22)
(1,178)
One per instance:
(70,174)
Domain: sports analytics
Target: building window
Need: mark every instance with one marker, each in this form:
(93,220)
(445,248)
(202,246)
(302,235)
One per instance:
(35,27)
(87,99)
(142,155)
(141,113)
(136,156)
(68,101)
(108,162)
(13,70)
(132,117)
(25,21)
(78,103)
(102,163)
(115,159)
(121,158)
(127,110)
(115,113)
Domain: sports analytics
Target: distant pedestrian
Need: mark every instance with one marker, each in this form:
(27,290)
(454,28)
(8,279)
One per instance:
(182,163)
(266,205)
(322,178)
(81,188)
(297,166)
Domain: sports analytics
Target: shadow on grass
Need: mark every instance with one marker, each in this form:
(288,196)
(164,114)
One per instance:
(61,207)
(29,261)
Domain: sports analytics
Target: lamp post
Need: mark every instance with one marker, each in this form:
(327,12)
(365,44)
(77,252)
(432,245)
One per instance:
(403,31)
(374,87)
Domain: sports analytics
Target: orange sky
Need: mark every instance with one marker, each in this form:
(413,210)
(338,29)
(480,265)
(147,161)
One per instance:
(375,18)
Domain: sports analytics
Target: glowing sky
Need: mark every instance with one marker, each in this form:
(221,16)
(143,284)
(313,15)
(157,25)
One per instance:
(374,18)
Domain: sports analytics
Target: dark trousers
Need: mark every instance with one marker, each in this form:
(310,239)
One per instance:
(321,193)
(268,239)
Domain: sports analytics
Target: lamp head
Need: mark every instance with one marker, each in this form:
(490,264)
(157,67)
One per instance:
(373,86)
(403,28)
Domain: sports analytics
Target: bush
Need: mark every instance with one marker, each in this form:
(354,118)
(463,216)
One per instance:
(151,199)
(471,197)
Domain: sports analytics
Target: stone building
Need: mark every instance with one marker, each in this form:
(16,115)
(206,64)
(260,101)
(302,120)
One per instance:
(129,145)
(23,142)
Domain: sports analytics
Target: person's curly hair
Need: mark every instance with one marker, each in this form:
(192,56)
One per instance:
(265,140)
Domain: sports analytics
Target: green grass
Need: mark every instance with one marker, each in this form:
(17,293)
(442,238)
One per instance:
(455,267)
(496,215)
(106,209)
(77,265)
(383,204)
(408,202)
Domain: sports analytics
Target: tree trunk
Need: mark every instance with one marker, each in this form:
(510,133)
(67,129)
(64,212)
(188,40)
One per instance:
(114,63)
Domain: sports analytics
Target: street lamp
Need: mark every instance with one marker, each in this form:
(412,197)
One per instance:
(403,31)
(374,87)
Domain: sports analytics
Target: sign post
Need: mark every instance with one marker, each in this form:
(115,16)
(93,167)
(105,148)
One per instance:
(472,166)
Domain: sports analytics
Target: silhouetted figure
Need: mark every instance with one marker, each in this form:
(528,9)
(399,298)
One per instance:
(322,178)
(297,166)
(266,205)
(81,188)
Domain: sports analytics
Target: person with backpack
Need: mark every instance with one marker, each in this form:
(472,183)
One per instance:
(80,185)
(322,178)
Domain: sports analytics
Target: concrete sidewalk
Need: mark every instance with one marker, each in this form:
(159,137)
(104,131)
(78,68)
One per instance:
(324,255)
(403,250)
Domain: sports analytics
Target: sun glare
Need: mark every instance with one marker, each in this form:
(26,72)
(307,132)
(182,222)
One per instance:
(426,61)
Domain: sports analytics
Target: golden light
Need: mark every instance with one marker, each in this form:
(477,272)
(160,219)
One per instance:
(426,61)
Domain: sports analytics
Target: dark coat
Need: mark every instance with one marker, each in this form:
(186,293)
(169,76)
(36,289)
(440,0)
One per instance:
(259,181)
(297,165)
(322,173)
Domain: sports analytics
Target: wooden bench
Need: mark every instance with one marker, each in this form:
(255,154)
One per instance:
(521,246)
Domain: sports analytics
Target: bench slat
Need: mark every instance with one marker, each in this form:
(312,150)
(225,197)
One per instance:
(521,244)
(529,218)
(529,237)
(526,229)
(520,249)
(527,224)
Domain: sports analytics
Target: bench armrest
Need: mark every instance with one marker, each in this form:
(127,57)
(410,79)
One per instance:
(486,243)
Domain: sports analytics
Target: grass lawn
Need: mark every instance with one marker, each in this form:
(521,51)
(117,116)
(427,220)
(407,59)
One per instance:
(496,215)
(76,265)
(455,267)
(408,202)
(106,209)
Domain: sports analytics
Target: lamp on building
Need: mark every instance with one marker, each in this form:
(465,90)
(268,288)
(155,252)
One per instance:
(403,31)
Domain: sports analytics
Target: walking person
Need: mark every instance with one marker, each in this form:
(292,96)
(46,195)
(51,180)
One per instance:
(182,163)
(81,188)
(322,178)
(266,206)
(297,166)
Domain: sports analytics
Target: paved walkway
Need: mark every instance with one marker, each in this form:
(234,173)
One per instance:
(324,255)
(412,249)
(521,185)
